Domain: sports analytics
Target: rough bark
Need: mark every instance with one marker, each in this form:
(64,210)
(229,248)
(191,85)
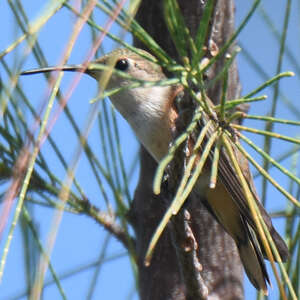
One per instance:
(174,272)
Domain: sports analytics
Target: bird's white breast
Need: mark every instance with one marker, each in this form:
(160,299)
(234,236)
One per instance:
(145,110)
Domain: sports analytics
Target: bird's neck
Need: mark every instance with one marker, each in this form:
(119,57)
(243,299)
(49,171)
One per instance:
(151,114)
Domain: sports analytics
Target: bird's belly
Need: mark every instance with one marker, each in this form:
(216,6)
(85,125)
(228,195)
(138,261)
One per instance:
(156,143)
(154,136)
(221,205)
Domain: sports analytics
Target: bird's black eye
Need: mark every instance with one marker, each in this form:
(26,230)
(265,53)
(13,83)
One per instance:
(122,64)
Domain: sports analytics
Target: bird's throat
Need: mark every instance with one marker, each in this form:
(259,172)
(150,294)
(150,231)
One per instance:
(150,113)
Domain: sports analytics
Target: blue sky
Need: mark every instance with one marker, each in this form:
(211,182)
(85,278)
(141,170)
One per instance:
(80,239)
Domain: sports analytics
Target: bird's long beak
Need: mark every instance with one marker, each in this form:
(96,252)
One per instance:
(69,68)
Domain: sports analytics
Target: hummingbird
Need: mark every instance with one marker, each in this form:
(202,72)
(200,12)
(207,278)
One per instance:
(151,112)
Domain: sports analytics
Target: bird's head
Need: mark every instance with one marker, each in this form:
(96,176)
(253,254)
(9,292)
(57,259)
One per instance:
(146,108)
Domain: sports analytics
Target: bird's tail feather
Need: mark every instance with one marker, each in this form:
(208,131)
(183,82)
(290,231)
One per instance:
(253,263)
(279,242)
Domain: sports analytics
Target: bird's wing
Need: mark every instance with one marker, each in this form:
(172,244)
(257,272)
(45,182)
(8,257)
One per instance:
(231,182)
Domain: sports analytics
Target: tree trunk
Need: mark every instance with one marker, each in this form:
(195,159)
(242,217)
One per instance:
(209,268)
